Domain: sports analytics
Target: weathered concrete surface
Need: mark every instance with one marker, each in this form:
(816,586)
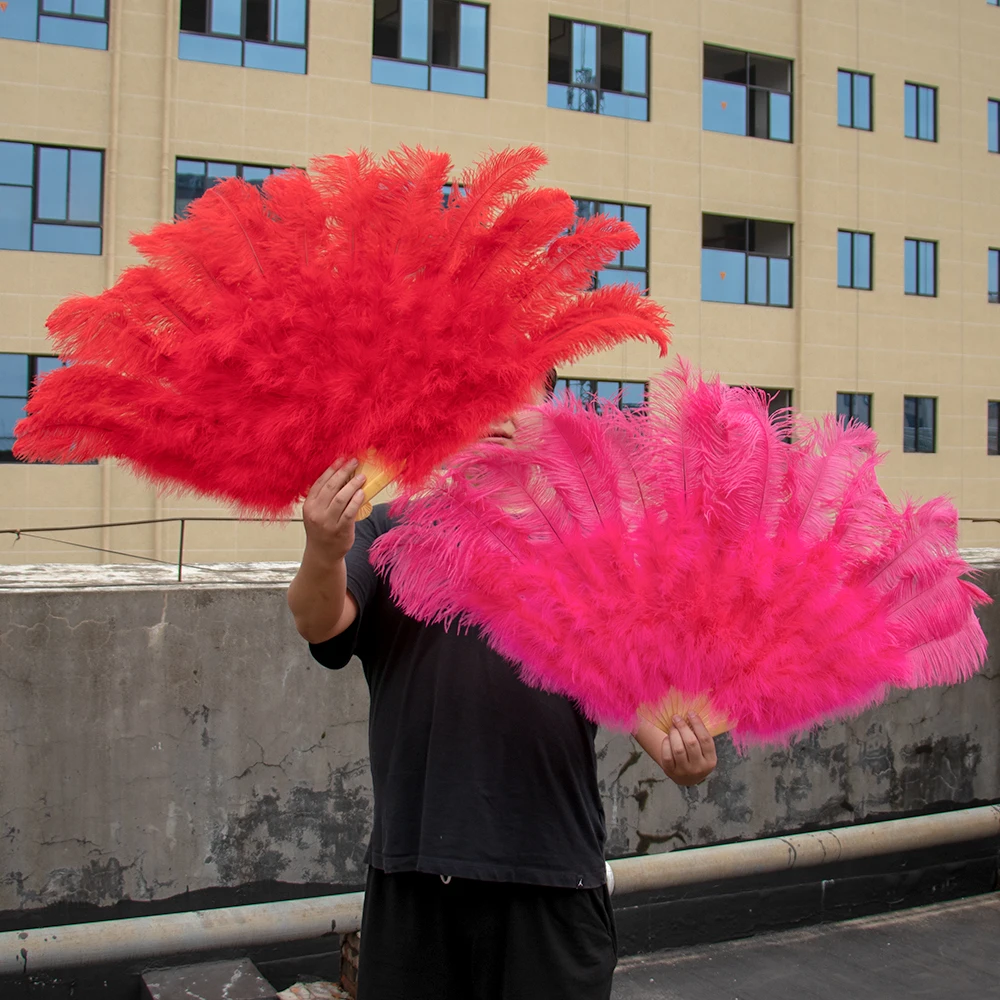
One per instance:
(164,738)
(944,952)
(157,741)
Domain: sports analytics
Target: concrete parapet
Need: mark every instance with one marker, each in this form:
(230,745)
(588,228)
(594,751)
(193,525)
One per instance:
(160,739)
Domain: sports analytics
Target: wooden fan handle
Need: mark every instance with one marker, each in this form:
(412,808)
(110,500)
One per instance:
(677,703)
(378,478)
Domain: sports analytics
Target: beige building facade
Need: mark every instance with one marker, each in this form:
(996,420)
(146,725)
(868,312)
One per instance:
(862,128)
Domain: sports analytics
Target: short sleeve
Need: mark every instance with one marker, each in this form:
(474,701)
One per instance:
(362,582)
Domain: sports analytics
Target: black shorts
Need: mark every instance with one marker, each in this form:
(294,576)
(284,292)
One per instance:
(423,939)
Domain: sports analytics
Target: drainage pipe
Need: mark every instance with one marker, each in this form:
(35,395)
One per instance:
(148,938)
(804,850)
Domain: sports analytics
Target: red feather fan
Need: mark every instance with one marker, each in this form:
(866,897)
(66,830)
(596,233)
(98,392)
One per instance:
(689,557)
(339,312)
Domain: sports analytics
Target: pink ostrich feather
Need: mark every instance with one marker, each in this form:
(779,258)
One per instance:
(623,559)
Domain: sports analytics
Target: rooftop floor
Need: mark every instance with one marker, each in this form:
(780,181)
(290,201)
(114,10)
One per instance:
(930,953)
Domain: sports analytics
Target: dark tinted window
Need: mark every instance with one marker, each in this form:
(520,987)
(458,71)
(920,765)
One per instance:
(919,423)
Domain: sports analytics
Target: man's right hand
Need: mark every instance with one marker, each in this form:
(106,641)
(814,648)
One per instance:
(318,595)
(330,508)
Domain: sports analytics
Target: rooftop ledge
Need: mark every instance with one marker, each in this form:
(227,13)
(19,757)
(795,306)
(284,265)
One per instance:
(76,576)
(218,576)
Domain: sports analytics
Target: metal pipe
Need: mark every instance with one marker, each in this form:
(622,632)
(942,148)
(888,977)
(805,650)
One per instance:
(110,235)
(172,20)
(145,938)
(804,850)
(180,553)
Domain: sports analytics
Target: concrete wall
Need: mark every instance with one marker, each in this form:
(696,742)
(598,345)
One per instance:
(163,739)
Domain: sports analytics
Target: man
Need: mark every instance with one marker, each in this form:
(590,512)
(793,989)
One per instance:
(486,872)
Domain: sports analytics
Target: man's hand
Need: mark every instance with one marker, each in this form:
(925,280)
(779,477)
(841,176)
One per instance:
(330,508)
(318,597)
(686,754)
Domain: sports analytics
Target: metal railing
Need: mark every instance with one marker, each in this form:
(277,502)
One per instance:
(42,535)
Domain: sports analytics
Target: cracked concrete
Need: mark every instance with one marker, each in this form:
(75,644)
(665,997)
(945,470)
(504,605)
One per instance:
(217,755)
(161,738)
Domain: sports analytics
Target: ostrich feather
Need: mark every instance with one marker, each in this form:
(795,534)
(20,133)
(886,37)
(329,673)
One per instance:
(828,463)
(685,434)
(929,601)
(748,477)
(336,312)
(689,554)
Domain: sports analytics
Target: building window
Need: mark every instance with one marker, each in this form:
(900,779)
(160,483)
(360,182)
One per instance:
(50,198)
(260,34)
(993,125)
(919,423)
(746,260)
(855,406)
(83,23)
(854,259)
(993,276)
(446,191)
(602,392)
(631,267)
(18,373)
(193,178)
(920,267)
(430,45)
(854,99)
(779,401)
(744,93)
(598,68)
(993,427)
(920,112)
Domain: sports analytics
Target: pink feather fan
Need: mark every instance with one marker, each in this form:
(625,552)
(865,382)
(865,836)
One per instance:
(686,557)
(338,312)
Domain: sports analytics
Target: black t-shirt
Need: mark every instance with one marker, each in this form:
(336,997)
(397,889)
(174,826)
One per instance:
(475,774)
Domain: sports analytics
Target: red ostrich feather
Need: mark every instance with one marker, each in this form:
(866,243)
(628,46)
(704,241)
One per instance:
(338,312)
(689,557)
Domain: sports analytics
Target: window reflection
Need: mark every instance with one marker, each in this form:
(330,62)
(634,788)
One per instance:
(50,198)
(258,34)
(631,267)
(746,261)
(745,93)
(18,374)
(600,69)
(627,395)
(919,424)
(79,23)
(439,46)
(192,178)
(854,259)
(920,112)
(723,276)
(856,406)
(854,99)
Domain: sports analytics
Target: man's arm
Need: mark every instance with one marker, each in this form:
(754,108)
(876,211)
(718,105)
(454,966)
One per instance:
(686,754)
(318,596)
